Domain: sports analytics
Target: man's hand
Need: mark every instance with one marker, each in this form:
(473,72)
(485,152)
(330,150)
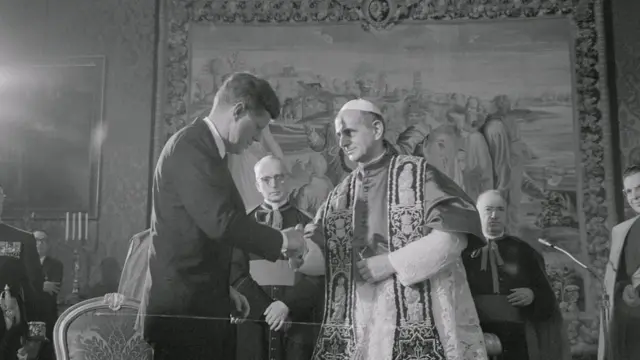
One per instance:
(241,306)
(630,296)
(296,262)
(296,244)
(375,268)
(521,297)
(276,315)
(29,350)
(53,288)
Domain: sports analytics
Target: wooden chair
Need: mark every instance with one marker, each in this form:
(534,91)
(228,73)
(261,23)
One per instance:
(100,329)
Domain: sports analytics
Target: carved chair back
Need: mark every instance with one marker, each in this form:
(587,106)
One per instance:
(101,328)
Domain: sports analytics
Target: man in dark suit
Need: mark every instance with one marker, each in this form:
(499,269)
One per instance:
(21,274)
(198,217)
(52,271)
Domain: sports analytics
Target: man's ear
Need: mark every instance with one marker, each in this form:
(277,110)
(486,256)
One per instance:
(378,126)
(238,110)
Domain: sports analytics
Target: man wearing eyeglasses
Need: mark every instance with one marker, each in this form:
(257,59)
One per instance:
(20,283)
(285,305)
(622,280)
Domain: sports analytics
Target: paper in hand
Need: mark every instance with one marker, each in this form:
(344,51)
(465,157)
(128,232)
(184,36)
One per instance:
(268,273)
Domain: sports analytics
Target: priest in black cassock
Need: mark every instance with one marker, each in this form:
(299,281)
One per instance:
(285,306)
(511,290)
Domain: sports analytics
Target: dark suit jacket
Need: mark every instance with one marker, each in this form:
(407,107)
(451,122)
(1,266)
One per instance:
(52,270)
(198,216)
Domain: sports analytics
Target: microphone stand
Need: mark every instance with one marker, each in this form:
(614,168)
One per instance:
(604,303)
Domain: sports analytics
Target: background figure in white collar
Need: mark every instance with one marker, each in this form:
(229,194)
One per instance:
(241,167)
(276,294)
(511,290)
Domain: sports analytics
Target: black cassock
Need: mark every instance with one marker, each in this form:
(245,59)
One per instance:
(526,333)
(304,299)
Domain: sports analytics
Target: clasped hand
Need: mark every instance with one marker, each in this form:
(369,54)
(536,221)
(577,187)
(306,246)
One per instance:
(296,245)
(630,296)
(521,297)
(375,268)
(53,288)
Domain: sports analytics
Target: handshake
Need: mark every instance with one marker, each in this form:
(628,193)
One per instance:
(296,246)
(303,251)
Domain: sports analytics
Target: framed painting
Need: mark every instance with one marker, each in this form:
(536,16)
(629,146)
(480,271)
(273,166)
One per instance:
(50,138)
(497,94)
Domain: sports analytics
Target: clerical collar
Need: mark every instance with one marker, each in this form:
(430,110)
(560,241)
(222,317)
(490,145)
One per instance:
(379,162)
(502,235)
(275,206)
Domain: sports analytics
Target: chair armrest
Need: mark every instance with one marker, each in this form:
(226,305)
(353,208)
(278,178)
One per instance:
(493,344)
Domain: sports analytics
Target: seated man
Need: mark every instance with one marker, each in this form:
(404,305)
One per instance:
(513,296)
(276,294)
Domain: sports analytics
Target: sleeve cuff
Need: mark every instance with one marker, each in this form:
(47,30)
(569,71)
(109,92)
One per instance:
(285,243)
(397,268)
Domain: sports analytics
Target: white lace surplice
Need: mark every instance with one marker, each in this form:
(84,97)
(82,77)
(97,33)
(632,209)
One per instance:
(435,257)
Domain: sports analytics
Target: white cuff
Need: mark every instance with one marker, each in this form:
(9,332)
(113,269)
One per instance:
(285,243)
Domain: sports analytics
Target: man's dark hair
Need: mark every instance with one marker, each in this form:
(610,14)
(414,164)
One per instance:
(634,156)
(255,93)
(631,170)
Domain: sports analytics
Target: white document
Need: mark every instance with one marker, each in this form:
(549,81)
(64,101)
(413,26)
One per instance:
(272,273)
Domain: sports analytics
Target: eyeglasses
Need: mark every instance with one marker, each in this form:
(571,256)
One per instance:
(276,179)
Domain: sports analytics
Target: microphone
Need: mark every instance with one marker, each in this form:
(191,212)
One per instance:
(548,244)
(604,304)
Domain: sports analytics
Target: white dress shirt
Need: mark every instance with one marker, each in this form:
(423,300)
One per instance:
(222,150)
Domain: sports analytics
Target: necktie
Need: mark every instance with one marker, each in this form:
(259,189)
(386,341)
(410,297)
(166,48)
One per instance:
(491,253)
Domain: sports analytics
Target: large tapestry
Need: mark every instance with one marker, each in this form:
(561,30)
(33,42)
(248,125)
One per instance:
(516,102)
